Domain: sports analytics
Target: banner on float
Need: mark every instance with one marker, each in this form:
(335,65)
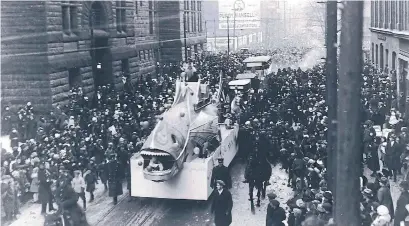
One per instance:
(241,14)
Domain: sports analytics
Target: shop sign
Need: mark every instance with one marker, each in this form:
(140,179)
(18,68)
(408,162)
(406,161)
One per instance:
(382,37)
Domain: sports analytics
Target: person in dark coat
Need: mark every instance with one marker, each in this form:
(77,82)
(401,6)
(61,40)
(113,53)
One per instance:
(67,199)
(385,197)
(114,180)
(90,180)
(44,189)
(221,172)
(392,155)
(222,205)
(275,214)
(401,212)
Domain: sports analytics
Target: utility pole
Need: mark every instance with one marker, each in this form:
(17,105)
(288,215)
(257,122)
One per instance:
(234,25)
(214,31)
(184,35)
(349,157)
(228,37)
(332,88)
(285,18)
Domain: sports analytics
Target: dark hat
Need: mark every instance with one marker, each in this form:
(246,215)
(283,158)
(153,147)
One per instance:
(220,159)
(271,195)
(383,180)
(404,185)
(328,195)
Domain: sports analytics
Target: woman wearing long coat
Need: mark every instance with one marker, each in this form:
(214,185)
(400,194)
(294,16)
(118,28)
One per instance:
(222,205)
(373,158)
(392,156)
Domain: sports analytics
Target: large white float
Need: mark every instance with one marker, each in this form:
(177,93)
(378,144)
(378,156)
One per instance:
(190,124)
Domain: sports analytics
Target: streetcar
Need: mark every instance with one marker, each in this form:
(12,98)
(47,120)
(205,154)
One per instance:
(177,158)
(261,65)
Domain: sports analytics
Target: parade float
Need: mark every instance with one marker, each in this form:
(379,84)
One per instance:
(177,158)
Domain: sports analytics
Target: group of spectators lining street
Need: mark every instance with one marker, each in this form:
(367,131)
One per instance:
(92,138)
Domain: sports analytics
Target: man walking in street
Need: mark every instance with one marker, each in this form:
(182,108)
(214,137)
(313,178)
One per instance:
(44,190)
(114,180)
(221,172)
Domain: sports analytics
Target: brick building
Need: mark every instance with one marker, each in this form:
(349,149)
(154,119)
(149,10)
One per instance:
(48,47)
(390,42)
(178,17)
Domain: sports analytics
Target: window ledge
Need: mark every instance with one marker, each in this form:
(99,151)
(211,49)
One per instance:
(70,37)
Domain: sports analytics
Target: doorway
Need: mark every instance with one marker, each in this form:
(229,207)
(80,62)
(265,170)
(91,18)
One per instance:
(100,49)
(101,62)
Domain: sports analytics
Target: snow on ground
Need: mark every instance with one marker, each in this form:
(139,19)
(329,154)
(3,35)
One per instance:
(31,212)
(242,215)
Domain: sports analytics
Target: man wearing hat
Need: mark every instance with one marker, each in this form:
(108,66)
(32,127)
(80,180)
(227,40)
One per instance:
(114,180)
(44,190)
(221,172)
(401,211)
(275,213)
(384,195)
(222,205)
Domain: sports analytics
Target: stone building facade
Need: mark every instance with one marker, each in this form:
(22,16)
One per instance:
(390,43)
(178,17)
(49,47)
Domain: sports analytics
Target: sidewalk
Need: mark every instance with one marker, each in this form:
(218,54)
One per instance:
(101,206)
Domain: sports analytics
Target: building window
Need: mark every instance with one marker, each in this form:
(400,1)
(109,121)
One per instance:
(393,60)
(69,17)
(199,13)
(376,55)
(140,54)
(136,7)
(144,55)
(121,16)
(386,57)
(152,16)
(74,78)
(373,52)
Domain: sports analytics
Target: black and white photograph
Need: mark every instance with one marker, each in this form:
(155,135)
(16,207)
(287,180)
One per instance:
(204,113)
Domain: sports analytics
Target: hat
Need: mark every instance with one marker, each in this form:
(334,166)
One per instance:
(300,203)
(220,159)
(327,194)
(220,182)
(367,191)
(271,195)
(404,185)
(383,180)
(382,210)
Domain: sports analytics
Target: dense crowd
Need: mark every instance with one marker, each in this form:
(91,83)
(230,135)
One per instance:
(91,139)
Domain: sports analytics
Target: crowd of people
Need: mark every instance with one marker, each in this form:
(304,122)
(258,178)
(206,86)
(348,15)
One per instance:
(58,157)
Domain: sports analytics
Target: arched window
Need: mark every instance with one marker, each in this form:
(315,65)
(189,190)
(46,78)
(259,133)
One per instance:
(98,17)
(376,54)
(393,60)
